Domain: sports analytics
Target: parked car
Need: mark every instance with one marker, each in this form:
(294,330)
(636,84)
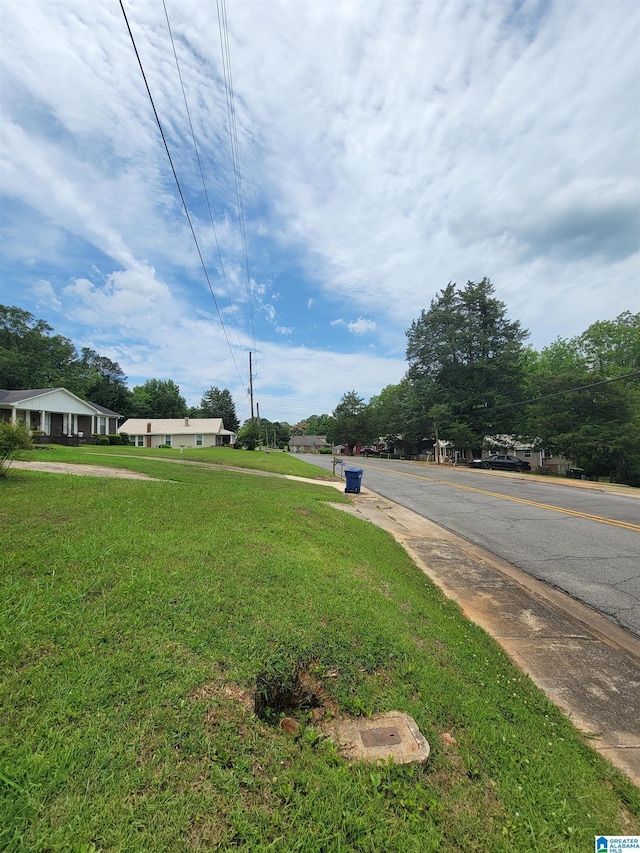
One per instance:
(501,462)
(368,451)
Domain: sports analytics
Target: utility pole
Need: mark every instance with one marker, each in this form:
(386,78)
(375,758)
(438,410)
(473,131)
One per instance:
(251,387)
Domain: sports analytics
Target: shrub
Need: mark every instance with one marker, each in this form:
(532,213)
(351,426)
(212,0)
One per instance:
(101,439)
(13,438)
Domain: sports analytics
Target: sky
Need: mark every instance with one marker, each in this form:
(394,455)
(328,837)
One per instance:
(340,163)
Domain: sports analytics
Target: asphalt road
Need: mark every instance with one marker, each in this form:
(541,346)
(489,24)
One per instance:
(582,539)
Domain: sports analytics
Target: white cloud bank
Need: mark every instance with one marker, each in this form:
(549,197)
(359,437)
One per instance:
(386,149)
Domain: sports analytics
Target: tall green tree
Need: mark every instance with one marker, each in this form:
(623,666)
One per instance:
(352,425)
(593,422)
(466,353)
(219,404)
(32,357)
(578,411)
(612,347)
(388,410)
(320,425)
(159,398)
(106,383)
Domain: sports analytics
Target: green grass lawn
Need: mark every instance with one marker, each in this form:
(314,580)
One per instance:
(138,618)
(275,461)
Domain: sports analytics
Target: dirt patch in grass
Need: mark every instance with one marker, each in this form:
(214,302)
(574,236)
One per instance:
(81,470)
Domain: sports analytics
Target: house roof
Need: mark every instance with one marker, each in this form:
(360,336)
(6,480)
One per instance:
(14,398)
(103,410)
(175,426)
(309,440)
(20,396)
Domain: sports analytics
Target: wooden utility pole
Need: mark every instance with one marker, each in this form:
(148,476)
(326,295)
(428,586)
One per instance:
(251,387)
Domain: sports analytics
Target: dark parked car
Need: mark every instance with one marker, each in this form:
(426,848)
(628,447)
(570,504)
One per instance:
(501,462)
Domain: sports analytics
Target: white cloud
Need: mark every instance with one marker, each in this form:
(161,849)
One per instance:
(45,293)
(385,149)
(361,326)
(132,299)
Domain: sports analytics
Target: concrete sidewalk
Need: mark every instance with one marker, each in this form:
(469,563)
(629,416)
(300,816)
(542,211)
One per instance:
(588,666)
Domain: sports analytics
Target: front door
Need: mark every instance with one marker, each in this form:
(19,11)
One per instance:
(56,424)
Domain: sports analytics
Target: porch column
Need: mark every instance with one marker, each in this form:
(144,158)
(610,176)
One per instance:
(14,415)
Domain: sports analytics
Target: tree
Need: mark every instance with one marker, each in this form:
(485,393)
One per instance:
(352,424)
(249,434)
(106,383)
(13,438)
(578,412)
(597,426)
(219,404)
(320,425)
(300,428)
(386,410)
(274,433)
(464,352)
(159,398)
(613,346)
(31,357)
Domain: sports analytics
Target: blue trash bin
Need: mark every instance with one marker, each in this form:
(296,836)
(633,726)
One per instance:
(353,477)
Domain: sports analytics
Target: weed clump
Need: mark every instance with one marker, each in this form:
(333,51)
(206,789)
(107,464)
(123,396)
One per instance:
(286,687)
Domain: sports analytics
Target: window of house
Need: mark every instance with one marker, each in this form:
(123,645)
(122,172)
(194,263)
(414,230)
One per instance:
(199,440)
(167,440)
(527,454)
(138,440)
(102,426)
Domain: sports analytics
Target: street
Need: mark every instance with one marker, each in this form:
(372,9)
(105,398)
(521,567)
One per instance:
(581,538)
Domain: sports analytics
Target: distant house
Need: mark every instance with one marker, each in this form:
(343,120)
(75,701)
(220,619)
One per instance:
(307,443)
(178,432)
(536,456)
(57,414)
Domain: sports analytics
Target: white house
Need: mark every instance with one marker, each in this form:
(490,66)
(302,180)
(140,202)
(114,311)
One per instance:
(57,413)
(178,432)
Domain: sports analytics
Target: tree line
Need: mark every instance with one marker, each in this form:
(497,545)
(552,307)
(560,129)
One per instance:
(471,380)
(32,356)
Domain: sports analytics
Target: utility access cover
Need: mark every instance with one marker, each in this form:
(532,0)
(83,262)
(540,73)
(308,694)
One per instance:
(391,735)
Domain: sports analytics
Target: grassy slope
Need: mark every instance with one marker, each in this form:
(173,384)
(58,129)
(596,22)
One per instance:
(275,462)
(137,617)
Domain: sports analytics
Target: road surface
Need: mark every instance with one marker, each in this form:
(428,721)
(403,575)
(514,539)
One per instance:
(581,538)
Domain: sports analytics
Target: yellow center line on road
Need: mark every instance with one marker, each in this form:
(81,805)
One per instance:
(627,525)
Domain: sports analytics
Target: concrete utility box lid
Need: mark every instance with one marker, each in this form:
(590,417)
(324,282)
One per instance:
(393,734)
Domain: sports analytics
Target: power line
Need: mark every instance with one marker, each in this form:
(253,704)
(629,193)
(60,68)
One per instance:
(204,186)
(175,176)
(565,391)
(235,150)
